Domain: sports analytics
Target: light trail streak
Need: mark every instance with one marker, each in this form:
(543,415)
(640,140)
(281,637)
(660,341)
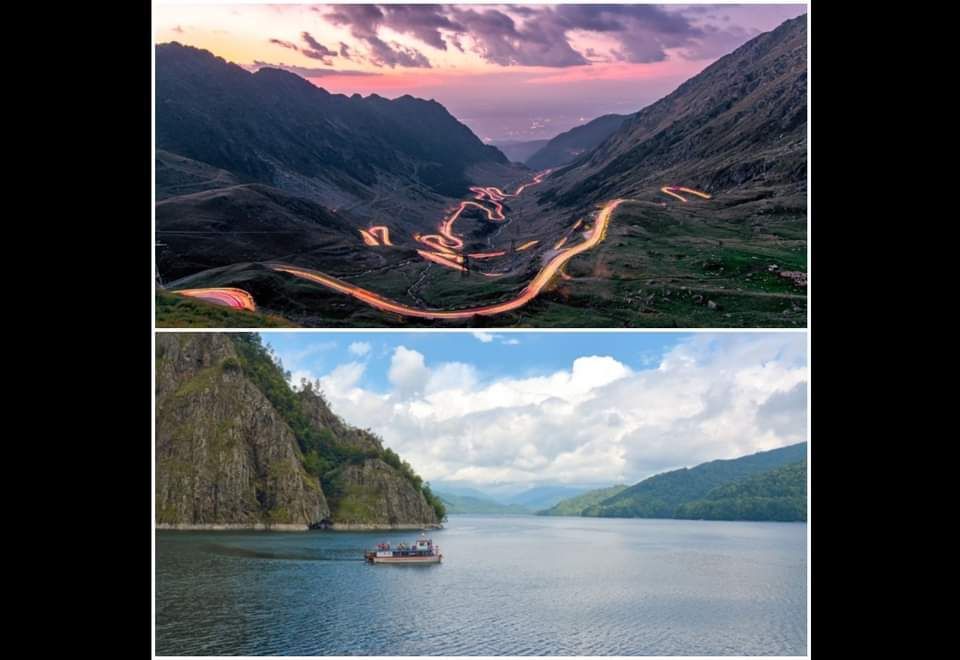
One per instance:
(374,235)
(445,242)
(673,190)
(368,238)
(527,245)
(560,243)
(528,293)
(229,297)
(486,255)
(449,262)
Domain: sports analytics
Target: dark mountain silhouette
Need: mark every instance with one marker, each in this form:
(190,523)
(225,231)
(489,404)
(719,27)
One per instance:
(578,140)
(276,128)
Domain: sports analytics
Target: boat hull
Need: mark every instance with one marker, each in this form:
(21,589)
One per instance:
(432,559)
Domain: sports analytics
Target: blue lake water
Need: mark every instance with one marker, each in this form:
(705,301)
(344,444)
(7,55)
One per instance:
(508,585)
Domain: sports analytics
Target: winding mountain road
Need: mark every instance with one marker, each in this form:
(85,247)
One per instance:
(529,292)
(444,252)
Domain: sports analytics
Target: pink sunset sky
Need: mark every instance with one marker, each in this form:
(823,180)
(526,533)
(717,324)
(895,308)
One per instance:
(510,72)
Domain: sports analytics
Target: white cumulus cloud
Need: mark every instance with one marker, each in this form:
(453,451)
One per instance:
(596,421)
(359,348)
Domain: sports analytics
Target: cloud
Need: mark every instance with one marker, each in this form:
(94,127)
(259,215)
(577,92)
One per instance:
(539,41)
(317,50)
(597,421)
(308,72)
(359,348)
(284,44)
(421,21)
(344,378)
(364,22)
(487,337)
(408,372)
(540,35)
(526,35)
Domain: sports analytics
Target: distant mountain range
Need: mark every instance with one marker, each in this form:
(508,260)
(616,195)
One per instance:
(567,146)
(528,501)
(576,505)
(519,151)
(468,504)
(769,485)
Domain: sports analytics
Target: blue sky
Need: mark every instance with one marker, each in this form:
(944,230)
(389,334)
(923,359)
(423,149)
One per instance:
(513,410)
(494,354)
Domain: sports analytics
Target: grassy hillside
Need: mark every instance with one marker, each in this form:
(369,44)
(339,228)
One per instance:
(660,496)
(575,505)
(780,494)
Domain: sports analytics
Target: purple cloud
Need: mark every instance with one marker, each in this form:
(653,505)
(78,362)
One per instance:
(538,35)
(364,22)
(284,44)
(316,50)
(540,41)
(421,21)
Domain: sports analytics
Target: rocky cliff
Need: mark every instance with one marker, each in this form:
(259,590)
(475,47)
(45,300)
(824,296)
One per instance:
(224,456)
(237,448)
(373,492)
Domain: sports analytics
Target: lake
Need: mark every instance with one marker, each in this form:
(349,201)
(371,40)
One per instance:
(508,585)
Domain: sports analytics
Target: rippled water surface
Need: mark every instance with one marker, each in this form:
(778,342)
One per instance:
(512,585)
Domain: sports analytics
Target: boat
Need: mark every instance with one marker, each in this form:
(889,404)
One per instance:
(421,551)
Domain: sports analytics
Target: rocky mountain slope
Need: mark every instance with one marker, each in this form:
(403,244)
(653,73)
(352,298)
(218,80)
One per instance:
(237,447)
(567,146)
(741,122)
(274,127)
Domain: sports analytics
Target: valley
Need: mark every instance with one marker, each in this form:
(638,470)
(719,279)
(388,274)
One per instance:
(369,212)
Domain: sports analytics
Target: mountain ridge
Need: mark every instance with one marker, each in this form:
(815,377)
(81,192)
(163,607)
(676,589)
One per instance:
(274,127)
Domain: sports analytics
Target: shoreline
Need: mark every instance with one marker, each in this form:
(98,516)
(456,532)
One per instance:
(293,527)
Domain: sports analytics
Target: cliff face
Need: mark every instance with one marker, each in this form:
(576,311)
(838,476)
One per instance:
(224,455)
(227,456)
(374,492)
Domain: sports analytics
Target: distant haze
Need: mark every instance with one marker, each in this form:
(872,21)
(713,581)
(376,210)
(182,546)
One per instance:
(518,72)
